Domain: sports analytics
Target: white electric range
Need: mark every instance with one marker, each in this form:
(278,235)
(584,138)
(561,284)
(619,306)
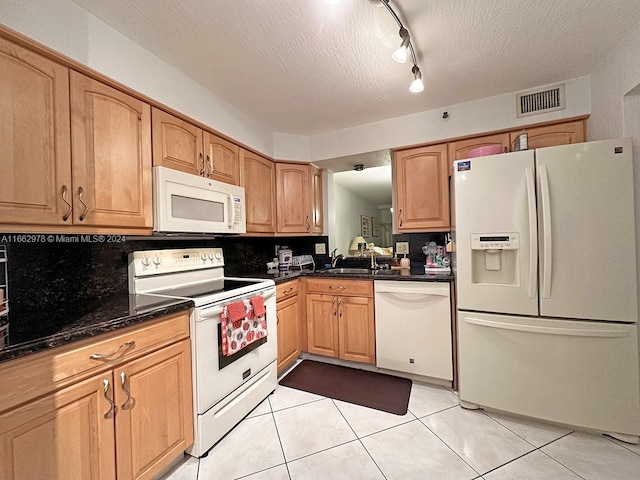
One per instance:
(225,387)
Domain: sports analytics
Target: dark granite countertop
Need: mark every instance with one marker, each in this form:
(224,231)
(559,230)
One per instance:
(414,274)
(86,320)
(60,327)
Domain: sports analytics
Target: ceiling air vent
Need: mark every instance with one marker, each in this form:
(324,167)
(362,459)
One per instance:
(534,102)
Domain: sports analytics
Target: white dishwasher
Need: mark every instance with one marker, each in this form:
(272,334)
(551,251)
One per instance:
(413,327)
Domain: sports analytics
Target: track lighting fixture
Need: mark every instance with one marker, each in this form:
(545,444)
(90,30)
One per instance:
(400,55)
(416,86)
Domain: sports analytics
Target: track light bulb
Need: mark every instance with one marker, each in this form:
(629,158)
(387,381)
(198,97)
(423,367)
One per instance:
(400,55)
(416,86)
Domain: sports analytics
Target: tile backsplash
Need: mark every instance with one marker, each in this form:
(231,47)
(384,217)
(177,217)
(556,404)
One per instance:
(51,276)
(416,242)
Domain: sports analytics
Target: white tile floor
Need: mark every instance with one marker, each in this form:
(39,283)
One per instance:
(297,435)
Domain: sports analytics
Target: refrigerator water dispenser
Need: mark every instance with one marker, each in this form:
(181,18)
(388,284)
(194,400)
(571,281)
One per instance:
(495,258)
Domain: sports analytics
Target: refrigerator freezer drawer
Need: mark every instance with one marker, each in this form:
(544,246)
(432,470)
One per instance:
(577,373)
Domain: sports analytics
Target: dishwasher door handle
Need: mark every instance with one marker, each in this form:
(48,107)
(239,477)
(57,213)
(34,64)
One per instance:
(413,297)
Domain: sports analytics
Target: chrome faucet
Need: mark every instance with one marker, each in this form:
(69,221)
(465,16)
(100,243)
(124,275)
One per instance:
(335,258)
(374,261)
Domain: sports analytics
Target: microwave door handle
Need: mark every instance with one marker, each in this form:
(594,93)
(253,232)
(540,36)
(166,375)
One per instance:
(232,216)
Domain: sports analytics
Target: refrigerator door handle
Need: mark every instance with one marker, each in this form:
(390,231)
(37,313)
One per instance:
(547,246)
(533,247)
(572,332)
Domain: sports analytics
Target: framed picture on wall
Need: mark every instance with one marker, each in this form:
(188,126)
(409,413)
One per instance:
(365,229)
(375,227)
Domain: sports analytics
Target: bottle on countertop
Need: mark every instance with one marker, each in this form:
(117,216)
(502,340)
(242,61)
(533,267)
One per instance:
(405,262)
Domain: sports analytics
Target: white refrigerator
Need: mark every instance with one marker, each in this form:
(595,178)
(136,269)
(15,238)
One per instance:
(546,285)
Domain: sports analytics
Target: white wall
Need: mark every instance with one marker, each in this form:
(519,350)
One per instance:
(65,27)
(615,77)
(492,113)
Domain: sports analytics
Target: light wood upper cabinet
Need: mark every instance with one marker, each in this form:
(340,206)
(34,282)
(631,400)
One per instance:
(317,222)
(183,146)
(293,187)
(111,145)
(176,144)
(35,157)
(222,159)
(258,177)
(460,149)
(551,135)
(421,189)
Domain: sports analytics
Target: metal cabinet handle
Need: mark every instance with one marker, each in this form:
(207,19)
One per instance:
(333,306)
(104,356)
(86,209)
(123,383)
(308,224)
(211,167)
(340,307)
(65,217)
(202,160)
(112,407)
(287,291)
(339,287)
(400,218)
(277,319)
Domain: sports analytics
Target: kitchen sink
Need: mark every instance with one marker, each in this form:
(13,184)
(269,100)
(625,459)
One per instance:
(338,271)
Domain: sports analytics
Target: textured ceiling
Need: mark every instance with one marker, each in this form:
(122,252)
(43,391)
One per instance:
(307,67)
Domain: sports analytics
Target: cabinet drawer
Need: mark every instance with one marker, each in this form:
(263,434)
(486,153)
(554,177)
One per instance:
(33,376)
(286,290)
(340,286)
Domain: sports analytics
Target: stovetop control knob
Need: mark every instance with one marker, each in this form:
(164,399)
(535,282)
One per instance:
(145,261)
(157,261)
(211,256)
(203,257)
(218,256)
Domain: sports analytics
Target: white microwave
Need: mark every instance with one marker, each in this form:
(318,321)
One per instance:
(187,203)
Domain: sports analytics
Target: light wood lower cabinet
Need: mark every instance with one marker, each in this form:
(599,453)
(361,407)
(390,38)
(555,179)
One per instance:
(127,420)
(341,324)
(288,312)
(66,435)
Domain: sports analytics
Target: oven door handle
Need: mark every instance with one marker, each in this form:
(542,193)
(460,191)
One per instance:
(214,312)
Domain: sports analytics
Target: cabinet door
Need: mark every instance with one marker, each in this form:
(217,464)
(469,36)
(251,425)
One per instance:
(221,159)
(258,177)
(154,422)
(322,326)
(422,189)
(460,149)
(35,157)
(65,435)
(357,329)
(551,135)
(293,202)
(177,144)
(288,331)
(111,143)
(316,194)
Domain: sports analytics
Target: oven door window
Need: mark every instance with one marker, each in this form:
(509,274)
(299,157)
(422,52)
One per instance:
(225,360)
